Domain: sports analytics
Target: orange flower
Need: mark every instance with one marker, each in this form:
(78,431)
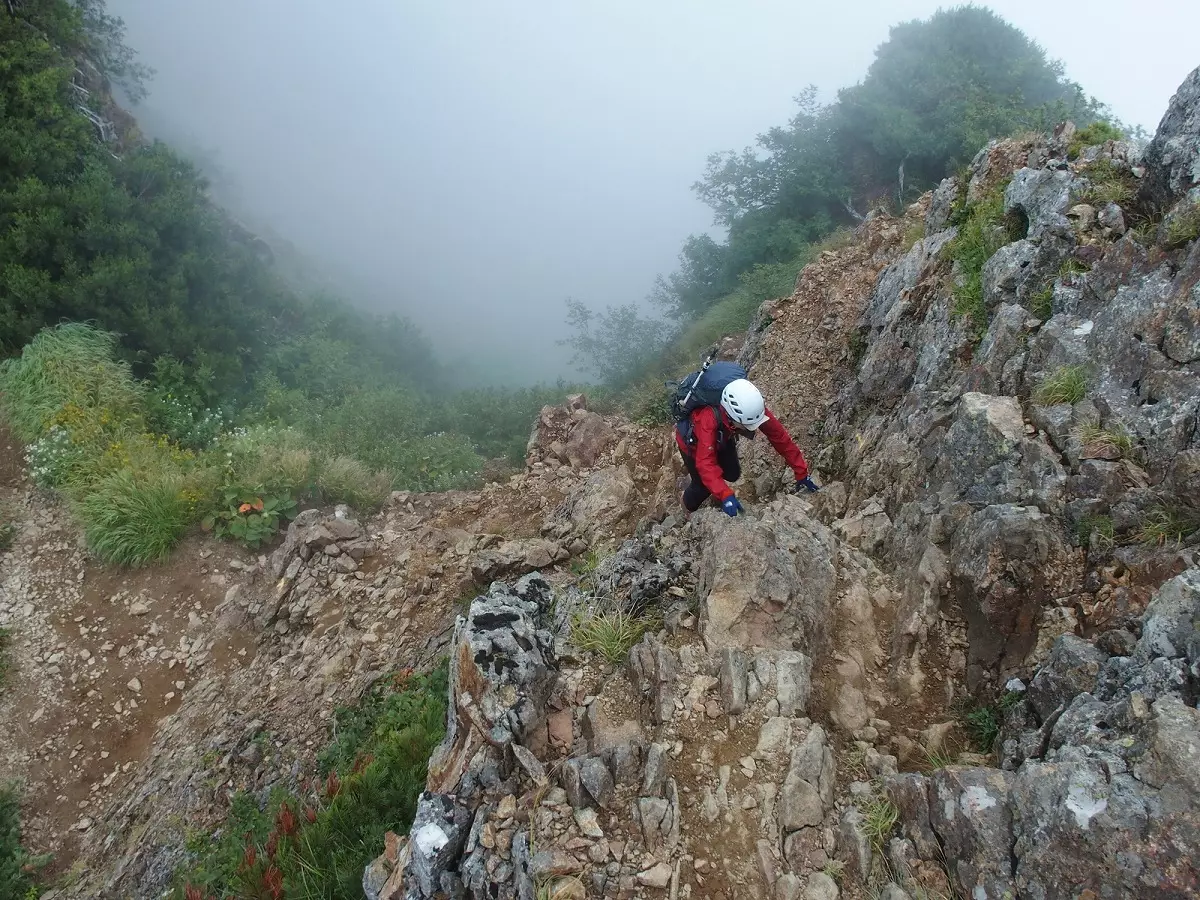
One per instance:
(258,504)
(245,508)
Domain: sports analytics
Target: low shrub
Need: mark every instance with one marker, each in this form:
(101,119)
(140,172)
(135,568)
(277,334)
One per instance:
(1097,132)
(316,843)
(346,480)
(984,229)
(18,868)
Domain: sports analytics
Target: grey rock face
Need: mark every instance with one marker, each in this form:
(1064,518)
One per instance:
(436,840)
(653,670)
(1106,794)
(1043,196)
(501,671)
(1171,626)
(969,811)
(1173,157)
(1007,562)
(989,459)
(940,208)
(1070,670)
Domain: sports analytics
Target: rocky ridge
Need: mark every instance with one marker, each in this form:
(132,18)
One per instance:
(753,746)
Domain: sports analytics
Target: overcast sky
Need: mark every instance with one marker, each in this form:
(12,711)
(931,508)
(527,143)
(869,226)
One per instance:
(474,163)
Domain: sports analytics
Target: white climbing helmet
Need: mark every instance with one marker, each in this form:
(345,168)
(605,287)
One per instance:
(744,404)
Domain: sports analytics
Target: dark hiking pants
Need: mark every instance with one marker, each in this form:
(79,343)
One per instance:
(731,470)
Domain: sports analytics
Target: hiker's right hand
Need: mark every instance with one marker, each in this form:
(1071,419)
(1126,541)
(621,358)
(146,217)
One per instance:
(731,506)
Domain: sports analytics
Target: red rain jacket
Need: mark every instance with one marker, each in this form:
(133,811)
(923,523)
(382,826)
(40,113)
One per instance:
(703,450)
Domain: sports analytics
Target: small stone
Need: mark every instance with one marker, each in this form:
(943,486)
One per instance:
(656,876)
(820,887)
(83,824)
(138,608)
(588,823)
(134,684)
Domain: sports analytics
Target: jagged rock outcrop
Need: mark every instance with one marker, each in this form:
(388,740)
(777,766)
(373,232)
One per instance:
(1173,156)
(501,673)
(1108,798)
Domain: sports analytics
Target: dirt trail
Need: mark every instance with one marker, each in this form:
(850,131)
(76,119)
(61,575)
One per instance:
(98,658)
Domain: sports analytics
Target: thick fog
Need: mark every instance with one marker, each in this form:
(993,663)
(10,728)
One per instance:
(472,164)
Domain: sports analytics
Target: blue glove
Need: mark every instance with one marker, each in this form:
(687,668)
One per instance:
(805,484)
(731,506)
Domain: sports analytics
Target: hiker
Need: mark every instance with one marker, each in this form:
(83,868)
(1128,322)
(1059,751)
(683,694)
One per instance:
(707,436)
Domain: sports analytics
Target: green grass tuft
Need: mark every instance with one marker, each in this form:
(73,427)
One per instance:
(1067,385)
(1105,442)
(983,726)
(610,635)
(346,480)
(133,521)
(939,759)
(880,816)
(1168,525)
(1108,183)
(1183,227)
(1041,304)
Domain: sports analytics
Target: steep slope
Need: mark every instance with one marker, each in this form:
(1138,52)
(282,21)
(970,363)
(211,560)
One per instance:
(1001,391)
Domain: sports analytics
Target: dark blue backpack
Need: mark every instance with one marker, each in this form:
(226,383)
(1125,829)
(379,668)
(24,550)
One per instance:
(701,388)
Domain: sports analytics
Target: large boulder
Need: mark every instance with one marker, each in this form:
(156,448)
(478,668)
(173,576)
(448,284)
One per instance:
(1172,158)
(768,582)
(602,500)
(969,811)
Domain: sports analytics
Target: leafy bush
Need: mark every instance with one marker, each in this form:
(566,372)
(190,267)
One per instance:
(1097,132)
(1066,385)
(498,420)
(183,405)
(251,516)
(134,520)
(315,844)
(983,231)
